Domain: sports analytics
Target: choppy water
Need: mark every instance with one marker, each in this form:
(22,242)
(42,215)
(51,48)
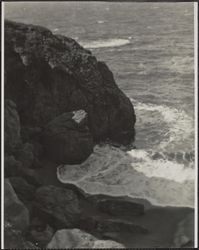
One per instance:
(150,49)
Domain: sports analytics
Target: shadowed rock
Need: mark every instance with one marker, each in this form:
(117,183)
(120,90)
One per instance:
(16,214)
(67,138)
(47,75)
(59,206)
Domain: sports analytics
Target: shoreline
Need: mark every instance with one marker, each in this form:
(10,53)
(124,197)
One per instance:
(162,222)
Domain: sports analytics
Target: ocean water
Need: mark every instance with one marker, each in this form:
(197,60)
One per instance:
(149,47)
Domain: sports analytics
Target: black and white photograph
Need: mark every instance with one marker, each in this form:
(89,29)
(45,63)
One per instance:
(99,124)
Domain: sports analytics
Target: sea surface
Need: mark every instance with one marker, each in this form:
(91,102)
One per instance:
(149,47)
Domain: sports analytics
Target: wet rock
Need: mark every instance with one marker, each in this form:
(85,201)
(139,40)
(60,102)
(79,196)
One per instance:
(59,206)
(16,213)
(12,126)
(75,238)
(67,138)
(47,75)
(119,206)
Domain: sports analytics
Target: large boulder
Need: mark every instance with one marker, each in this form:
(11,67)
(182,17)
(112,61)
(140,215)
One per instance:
(59,206)
(67,138)
(75,238)
(47,75)
(16,214)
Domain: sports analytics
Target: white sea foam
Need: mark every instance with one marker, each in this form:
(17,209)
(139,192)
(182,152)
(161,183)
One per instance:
(180,124)
(138,173)
(112,171)
(105,43)
(161,168)
(100,21)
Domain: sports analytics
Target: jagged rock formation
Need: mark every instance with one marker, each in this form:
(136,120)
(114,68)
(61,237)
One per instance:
(47,75)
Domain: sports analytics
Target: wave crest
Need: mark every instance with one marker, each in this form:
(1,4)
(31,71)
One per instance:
(105,43)
(112,171)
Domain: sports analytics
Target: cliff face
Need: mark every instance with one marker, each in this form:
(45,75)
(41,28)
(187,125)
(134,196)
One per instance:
(59,102)
(47,75)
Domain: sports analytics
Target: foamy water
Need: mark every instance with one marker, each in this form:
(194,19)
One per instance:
(162,173)
(104,43)
(112,171)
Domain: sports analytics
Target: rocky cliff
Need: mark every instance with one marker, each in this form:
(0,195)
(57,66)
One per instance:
(47,75)
(59,102)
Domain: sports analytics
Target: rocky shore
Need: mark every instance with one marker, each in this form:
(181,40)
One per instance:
(59,103)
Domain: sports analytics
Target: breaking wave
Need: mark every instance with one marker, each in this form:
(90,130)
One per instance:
(105,43)
(163,174)
(181,125)
(135,173)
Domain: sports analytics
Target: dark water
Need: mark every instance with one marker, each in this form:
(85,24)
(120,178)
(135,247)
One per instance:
(150,49)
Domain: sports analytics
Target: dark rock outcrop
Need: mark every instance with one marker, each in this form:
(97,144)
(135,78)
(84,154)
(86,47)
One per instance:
(47,75)
(59,206)
(67,138)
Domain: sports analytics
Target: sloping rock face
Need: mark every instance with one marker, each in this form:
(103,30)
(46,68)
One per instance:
(47,75)
(75,238)
(68,139)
